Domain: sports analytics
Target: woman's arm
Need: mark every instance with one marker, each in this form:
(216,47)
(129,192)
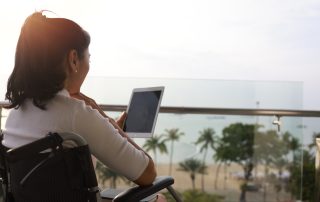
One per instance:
(149,174)
(94,105)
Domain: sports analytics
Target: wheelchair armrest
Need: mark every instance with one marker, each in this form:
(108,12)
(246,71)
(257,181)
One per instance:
(138,193)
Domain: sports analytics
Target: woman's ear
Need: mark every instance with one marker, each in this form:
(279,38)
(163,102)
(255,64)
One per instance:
(73,60)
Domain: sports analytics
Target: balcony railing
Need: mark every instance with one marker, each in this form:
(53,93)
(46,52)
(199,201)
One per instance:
(274,170)
(224,111)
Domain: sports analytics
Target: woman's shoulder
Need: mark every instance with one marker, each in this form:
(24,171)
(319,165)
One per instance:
(67,102)
(77,106)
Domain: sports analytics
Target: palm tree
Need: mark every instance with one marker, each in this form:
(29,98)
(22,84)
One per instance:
(155,143)
(313,144)
(220,162)
(292,144)
(105,174)
(193,166)
(172,135)
(206,140)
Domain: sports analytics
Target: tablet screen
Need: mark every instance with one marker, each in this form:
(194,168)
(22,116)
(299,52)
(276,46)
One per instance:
(142,112)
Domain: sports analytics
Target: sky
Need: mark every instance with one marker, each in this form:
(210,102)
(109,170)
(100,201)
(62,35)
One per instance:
(249,40)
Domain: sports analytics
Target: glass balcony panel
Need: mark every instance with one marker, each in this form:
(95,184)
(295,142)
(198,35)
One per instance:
(256,156)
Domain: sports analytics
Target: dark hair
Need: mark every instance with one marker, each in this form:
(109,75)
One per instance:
(39,70)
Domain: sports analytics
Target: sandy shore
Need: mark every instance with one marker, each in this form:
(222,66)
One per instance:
(227,184)
(183,180)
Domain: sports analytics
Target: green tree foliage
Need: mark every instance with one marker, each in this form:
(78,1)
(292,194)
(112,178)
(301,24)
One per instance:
(192,166)
(292,144)
(172,135)
(219,159)
(105,174)
(269,147)
(314,147)
(206,141)
(195,195)
(271,151)
(237,147)
(308,184)
(313,144)
(154,144)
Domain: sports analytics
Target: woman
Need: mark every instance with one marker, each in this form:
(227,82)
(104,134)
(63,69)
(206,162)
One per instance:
(51,63)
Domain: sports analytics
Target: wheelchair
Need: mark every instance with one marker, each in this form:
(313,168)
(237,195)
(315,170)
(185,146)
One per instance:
(47,170)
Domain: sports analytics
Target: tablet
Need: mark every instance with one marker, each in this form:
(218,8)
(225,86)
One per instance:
(142,111)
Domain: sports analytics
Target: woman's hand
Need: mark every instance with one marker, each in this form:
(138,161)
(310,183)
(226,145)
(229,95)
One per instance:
(121,119)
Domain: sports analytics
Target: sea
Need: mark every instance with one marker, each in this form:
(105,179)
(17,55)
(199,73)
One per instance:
(206,93)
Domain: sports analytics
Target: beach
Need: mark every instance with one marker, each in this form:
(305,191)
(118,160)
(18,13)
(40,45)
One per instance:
(227,185)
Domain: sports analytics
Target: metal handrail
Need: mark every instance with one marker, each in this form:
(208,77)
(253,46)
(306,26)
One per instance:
(218,111)
(224,111)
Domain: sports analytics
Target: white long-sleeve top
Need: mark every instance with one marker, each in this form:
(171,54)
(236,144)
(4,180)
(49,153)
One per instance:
(66,114)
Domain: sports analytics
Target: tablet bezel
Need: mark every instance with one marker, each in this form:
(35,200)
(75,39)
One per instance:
(146,89)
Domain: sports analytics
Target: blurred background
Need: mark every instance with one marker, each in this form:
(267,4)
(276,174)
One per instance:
(247,54)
